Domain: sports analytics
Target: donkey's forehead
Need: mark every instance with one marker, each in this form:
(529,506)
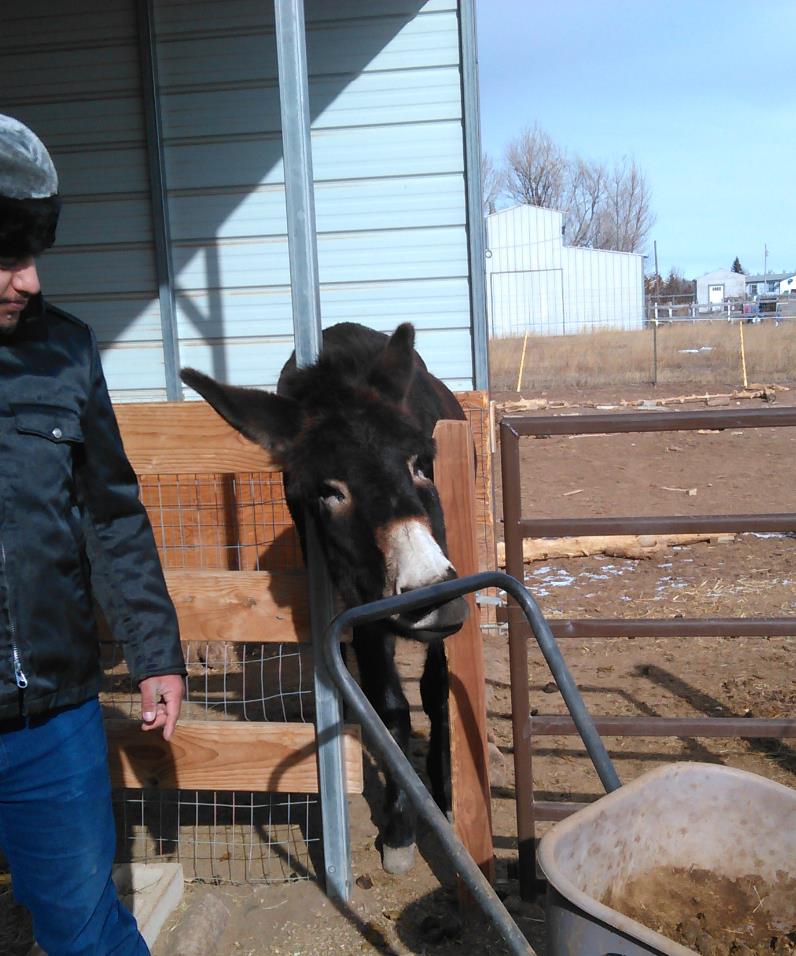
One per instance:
(341,446)
(371,424)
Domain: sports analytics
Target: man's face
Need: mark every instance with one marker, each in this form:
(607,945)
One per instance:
(19,281)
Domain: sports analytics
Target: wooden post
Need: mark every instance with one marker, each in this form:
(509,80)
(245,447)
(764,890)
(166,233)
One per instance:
(522,361)
(472,810)
(743,355)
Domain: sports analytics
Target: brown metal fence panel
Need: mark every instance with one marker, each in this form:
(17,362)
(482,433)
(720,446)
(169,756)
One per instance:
(517,528)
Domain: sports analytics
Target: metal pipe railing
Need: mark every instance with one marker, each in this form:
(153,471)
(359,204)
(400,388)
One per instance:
(389,751)
(518,527)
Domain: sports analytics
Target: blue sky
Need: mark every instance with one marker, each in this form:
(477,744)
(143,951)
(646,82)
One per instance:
(701,92)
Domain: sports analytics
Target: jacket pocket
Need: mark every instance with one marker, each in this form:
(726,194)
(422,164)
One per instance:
(56,423)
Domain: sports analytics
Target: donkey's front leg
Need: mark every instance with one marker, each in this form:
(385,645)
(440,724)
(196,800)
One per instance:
(434,695)
(378,675)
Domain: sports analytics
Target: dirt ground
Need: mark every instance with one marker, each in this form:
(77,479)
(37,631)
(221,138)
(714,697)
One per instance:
(736,471)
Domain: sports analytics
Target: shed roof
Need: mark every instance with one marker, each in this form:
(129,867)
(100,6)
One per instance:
(771,276)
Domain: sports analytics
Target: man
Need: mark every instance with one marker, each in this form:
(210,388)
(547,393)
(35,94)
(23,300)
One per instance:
(71,527)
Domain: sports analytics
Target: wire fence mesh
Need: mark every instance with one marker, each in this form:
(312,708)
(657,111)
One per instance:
(223,522)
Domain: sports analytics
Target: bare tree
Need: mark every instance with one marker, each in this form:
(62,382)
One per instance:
(674,286)
(587,185)
(626,217)
(492,178)
(603,207)
(536,169)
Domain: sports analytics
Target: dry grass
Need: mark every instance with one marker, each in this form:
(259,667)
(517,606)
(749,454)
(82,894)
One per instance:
(625,358)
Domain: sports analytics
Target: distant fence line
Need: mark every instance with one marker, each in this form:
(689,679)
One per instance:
(686,309)
(528,319)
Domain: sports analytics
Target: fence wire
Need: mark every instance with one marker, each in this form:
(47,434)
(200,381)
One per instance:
(222,522)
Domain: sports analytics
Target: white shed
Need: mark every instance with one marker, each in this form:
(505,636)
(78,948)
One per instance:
(537,283)
(163,118)
(716,287)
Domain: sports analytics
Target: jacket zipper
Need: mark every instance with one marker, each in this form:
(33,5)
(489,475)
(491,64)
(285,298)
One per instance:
(19,674)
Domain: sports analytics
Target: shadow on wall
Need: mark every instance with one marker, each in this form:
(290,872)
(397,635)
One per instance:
(222,148)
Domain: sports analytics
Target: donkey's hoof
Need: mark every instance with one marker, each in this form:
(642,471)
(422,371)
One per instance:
(398,860)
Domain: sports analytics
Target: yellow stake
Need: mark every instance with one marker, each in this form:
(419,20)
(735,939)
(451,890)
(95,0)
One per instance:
(743,354)
(522,360)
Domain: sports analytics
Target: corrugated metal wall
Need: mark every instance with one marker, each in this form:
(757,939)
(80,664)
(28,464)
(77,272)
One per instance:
(71,71)
(385,90)
(536,283)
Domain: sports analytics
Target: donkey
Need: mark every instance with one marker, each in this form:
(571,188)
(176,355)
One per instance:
(353,434)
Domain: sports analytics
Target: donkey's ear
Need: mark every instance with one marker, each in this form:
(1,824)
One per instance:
(391,373)
(267,419)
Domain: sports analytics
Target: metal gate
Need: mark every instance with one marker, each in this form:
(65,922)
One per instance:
(516,528)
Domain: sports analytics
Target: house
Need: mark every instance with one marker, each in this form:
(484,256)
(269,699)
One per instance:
(164,121)
(787,285)
(771,283)
(536,283)
(718,286)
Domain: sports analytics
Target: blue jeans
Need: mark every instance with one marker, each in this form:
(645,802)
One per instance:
(57,832)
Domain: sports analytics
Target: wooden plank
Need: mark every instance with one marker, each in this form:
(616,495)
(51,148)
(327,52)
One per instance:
(243,606)
(477,408)
(188,438)
(225,755)
(472,808)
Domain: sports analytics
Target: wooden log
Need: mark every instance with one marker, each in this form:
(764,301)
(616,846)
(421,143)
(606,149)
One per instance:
(188,438)
(472,809)
(225,755)
(243,606)
(614,545)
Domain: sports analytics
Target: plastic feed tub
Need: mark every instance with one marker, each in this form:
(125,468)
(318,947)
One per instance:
(727,821)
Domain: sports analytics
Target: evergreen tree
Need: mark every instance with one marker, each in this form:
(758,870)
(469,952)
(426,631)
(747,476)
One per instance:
(737,267)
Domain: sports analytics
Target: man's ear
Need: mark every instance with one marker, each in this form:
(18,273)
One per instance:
(391,373)
(267,419)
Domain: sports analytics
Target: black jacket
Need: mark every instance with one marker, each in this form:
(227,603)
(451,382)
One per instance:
(70,521)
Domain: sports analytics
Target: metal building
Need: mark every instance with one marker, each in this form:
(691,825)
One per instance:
(194,140)
(713,288)
(163,117)
(536,283)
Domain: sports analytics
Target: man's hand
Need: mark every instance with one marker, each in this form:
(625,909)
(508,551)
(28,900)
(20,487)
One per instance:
(161,698)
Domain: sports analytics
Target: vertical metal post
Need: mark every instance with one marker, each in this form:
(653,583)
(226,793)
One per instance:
(328,729)
(518,662)
(299,191)
(305,293)
(475,197)
(159,203)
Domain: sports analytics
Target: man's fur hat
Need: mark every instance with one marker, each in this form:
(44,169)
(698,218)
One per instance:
(29,202)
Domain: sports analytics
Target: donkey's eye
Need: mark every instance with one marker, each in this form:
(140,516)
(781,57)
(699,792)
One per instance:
(335,495)
(415,470)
